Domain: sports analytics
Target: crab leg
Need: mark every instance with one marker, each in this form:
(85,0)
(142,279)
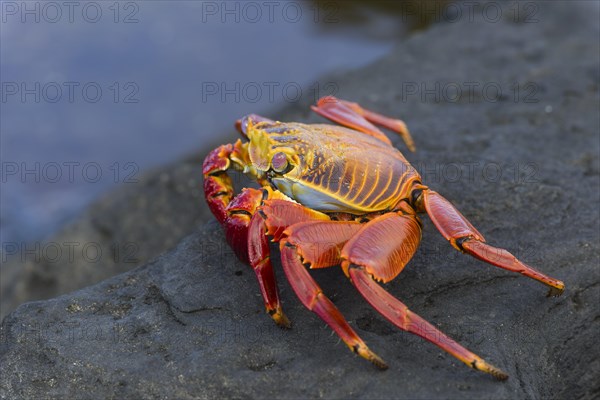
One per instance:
(259,254)
(280,214)
(317,243)
(384,245)
(354,116)
(244,228)
(397,238)
(313,298)
(399,314)
(464,237)
(245,232)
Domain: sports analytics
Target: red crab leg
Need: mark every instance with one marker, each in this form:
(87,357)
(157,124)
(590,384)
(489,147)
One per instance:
(279,214)
(319,243)
(333,109)
(244,229)
(464,237)
(384,245)
(379,251)
(354,116)
(313,298)
(398,314)
(259,254)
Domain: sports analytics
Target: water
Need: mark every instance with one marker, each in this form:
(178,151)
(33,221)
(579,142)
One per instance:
(95,92)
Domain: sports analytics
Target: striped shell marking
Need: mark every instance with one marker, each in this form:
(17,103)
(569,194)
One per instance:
(335,169)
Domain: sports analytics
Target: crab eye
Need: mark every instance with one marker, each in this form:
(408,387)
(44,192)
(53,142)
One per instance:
(279,162)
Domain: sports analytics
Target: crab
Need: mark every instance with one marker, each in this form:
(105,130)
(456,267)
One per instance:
(340,195)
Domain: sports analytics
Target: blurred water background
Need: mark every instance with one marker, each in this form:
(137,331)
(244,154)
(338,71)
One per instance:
(93,93)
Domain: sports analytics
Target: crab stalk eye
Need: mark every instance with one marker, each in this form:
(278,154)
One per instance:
(279,162)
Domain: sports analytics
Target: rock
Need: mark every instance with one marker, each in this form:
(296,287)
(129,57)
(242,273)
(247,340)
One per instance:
(521,165)
(122,230)
(191,324)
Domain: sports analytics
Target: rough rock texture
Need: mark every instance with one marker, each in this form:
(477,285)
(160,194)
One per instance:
(129,226)
(191,323)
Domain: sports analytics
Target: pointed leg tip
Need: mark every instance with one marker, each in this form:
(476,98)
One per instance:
(366,353)
(402,129)
(378,361)
(382,366)
(284,323)
(557,290)
(498,373)
(280,318)
(483,366)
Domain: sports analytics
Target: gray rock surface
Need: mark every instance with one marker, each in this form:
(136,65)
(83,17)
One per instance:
(122,230)
(191,324)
